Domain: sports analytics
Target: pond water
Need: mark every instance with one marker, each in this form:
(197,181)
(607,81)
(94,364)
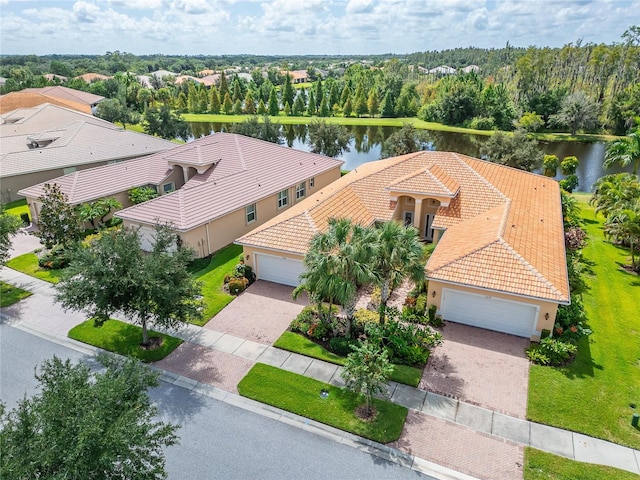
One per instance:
(366,143)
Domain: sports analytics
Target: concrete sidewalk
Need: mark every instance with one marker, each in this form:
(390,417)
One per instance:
(513,430)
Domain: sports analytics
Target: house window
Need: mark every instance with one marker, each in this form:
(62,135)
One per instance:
(301,190)
(312,182)
(168,187)
(283,198)
(251,213)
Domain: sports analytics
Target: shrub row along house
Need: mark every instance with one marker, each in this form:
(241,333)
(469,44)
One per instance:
(212,190)
(499,262)
(43,142)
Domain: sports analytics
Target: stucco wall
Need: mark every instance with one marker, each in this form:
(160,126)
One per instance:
(545,307)
(250,255)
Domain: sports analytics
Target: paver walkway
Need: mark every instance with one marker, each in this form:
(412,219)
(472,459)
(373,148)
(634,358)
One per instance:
(479,442)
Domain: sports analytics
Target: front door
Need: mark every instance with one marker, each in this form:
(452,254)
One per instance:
(428,231)
(408,218)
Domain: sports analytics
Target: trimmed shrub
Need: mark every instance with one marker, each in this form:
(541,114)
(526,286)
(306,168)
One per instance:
(56,258)
(482,123)
(342,346)
(569,165)
(550,164)
(237,285)
(570,183)
(552,351)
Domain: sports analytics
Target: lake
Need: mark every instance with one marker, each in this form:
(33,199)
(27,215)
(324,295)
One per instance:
(366,143)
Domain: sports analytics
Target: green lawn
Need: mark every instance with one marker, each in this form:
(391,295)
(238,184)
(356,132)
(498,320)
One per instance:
(212,278)
(593,395)
(28,264)
(540,465)
(10,294)
(123,338)
(294,342)
(17,207)
(301,395)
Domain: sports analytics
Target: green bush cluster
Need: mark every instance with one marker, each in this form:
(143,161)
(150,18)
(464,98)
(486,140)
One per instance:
(237,285)
(552,351)
(56,258)
(309,323)
(407,344)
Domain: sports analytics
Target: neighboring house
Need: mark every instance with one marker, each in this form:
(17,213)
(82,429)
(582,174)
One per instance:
(163,73)
(21,100)
(471,68)
(443,70)
(225,185)
(298,76)
(69,94)
(53,77)
(499,262)
(209,80)
(185,78)
(93,77)
(205,72)
(41,143)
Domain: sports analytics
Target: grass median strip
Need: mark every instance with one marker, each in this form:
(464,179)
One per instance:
(10,294)
(543,466)
(296,343)
(123,338)
(301,395)
(28,264)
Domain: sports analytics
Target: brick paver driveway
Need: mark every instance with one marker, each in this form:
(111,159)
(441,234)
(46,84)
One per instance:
(261,313)
(481,367)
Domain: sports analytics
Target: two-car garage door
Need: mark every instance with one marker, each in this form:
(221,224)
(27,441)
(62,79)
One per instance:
(279,269)
(485,311)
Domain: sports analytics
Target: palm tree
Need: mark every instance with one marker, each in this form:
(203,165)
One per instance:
(613,192)
(624,152)
(623,224)
(337,263)
(400,255)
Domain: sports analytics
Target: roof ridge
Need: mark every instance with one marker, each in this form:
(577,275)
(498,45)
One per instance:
(530,267)
(311,221)
(477,174)
(73,184)
(430,173)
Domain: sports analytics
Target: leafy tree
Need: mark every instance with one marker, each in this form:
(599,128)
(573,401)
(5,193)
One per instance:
(287,91)
(530,122)
(112,110)
(223,88)
(214,100)
(459,99)
(366,372)
(319,94)
(227,104)
(9,225)
(298,106)
(399,256)
(406,140)
(265,130)
(388,106)
(165,123)
(249,104)
(328,139)
(623,224)
(372,103)
(513,150)
(334,98)
(262,109)
(569,165)
(311,105)
(142,194)
(57,222)
(624,152)
(577,111)
(550,164)
(273,106)
(86,424)
(623,110)
(324,108)
(237,107)
(347,108)
(114,275)
(98,210)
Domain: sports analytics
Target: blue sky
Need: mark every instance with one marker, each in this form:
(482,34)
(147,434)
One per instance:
(292,27)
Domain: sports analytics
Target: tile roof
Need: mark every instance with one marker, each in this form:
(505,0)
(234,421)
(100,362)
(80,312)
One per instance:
(65,93)
(22,121)
(91,77)
(18,100)
(504,228)
(80,142)
(244,170)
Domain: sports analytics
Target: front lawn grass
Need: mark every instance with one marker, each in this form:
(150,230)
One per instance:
(540,465)
(594,394)
(17,207)
(123,338)
(301,395)
(28,264)
(212,278)
(10,294)
(294,342)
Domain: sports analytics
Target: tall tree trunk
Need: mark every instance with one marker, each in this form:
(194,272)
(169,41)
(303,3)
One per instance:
(384,298)
(145,332)
(350,311)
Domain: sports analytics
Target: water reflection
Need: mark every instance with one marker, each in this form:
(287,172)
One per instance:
(366,144)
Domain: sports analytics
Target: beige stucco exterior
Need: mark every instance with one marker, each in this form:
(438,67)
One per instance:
(546,313)
(250,256)
(218,233)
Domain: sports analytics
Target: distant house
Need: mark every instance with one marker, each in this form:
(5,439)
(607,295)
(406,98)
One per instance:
(21,100)
(205,72)
(163,73)
(41,143)
(93,77)
(211,79)
(185,78)
(65,93)
(53,77)
(499,261)
(471,68)
(442,70)
(212,190)
(298,76)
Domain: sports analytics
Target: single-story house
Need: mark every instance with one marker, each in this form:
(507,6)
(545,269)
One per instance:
(212,190)
(92,77)
(499,261)
(70,94)
(225,185)
(41,143)
(22,100)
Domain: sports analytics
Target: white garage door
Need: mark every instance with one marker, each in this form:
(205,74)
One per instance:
(279,269)
(489,312)
(148,239)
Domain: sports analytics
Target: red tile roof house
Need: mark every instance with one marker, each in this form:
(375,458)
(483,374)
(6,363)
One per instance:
(41,143)
(212,190)
(499,261)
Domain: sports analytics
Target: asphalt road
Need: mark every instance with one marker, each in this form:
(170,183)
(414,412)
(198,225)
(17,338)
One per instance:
(218,440)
